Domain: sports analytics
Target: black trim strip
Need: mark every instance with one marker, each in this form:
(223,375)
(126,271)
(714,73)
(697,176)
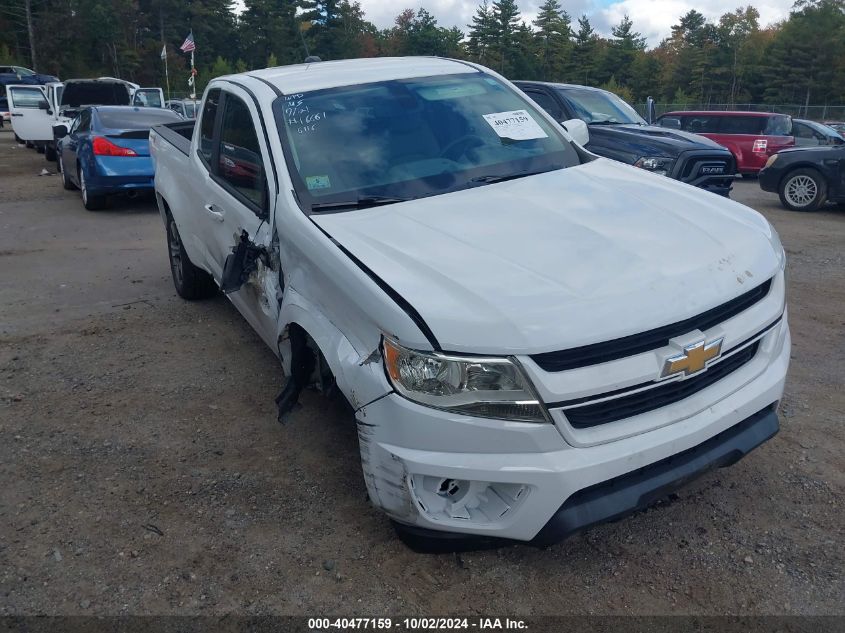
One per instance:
(412,313)
(623,390)
(264,81)
(615,349)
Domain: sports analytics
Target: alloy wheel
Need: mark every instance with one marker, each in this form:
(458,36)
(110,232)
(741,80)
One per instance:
(801,190)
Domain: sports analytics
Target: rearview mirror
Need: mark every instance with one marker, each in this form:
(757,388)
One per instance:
(60,131)
(578,130)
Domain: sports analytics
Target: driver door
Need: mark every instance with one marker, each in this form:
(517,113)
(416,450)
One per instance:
(29,109)
(240,196)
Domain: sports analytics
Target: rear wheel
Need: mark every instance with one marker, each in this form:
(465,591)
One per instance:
(90,201)
(803,190)
(191,283)
(66,183)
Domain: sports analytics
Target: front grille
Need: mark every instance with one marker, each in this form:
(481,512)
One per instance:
(650,340)
(692,169)
(644,401)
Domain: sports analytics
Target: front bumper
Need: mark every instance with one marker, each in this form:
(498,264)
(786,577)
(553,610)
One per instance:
(769,179)
(116,174)
(532,485)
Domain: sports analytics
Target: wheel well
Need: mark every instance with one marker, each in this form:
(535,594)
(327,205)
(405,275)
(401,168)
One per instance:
(794,168)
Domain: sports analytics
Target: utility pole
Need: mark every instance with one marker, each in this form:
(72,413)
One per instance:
(31,31)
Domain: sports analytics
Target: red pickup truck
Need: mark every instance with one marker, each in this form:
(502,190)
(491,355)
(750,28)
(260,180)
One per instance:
(751,136)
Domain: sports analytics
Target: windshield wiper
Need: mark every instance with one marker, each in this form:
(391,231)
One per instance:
(486,180)
(362,202)
(606,123)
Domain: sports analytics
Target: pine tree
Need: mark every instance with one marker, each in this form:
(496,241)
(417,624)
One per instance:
(481,34)
(622,50)
(273,30)
(505,24)
(584,52)
(553,41)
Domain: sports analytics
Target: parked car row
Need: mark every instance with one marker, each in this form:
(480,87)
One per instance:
(707,148)
(36,110)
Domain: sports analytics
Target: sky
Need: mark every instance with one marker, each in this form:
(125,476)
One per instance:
(652,18)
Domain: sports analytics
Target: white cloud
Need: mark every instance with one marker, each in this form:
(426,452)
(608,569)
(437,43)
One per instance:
(652,18)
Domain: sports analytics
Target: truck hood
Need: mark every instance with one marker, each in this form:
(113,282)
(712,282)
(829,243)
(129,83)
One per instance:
(650,138)
(561,259)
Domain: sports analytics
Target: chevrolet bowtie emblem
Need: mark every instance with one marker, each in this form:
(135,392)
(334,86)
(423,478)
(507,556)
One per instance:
(693,359)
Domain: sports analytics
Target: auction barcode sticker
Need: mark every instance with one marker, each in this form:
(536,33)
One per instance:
(517,125)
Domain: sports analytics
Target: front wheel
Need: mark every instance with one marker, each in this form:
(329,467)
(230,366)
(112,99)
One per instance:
(90,201)
(191,282)
(803,190)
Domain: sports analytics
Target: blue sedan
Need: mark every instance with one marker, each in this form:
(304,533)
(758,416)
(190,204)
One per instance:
(106,151)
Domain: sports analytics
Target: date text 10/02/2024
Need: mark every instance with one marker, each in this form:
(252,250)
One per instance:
(416,624)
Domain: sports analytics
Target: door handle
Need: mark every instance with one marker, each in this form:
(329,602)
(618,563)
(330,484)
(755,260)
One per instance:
(17,114)
(216,213)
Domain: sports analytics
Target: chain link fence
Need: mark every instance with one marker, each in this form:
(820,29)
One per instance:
(814,113)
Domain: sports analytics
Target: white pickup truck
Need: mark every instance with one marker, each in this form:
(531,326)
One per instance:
(533,339)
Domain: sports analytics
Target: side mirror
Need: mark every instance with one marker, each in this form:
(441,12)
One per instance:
(43,105)
(60,131)
(650,112)
(578,130)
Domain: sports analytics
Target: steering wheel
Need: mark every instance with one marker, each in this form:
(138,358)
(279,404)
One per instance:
(464,142)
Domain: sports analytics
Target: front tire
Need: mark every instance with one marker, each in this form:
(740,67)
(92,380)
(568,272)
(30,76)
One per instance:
(89,201)
(191,282)
(50,153)
(803,190)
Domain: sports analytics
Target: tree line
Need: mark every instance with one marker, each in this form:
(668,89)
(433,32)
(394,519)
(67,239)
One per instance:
(730,60)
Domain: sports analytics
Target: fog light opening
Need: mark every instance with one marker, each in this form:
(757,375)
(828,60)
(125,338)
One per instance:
(448,499)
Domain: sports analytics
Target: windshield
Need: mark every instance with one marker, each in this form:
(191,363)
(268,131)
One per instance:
(23,72)
(412,138)
(149,98)
(598,106)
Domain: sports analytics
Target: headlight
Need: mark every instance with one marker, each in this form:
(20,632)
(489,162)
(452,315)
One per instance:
(486,387)
(771,160)
(656,164)
(780,251)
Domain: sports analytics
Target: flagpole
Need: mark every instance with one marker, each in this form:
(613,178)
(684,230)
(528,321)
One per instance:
(166,74)
(193,75)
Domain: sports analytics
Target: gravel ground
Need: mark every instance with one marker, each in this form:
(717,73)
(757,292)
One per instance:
(143,470)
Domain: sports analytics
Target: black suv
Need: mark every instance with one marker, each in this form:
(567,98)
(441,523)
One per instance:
(618,132)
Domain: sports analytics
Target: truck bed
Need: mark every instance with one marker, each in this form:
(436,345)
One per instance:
(178,134)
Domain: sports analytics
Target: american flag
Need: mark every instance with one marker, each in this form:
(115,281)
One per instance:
(188,45)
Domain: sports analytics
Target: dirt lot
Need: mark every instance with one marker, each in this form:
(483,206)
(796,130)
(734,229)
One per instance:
(142,469)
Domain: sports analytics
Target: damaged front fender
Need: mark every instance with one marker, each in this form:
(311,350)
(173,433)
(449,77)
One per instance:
(359,378)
